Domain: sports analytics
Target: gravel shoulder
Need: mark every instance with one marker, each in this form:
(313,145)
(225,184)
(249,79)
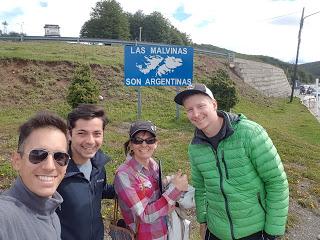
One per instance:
(308,225)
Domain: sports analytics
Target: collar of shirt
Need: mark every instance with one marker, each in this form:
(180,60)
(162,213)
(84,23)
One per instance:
(153,166)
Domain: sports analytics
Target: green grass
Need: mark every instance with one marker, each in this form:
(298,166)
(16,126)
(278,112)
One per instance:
(59,51)
(294,131)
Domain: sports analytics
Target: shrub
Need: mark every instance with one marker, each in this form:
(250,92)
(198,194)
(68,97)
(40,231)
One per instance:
(223,90)
(83,88)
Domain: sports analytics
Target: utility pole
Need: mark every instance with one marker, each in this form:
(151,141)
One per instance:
(21,31)
(21,28)
(293,80)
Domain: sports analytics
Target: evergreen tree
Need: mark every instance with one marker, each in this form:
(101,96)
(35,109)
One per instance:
(178,38)
(107,21)
(83,88)
(223,90)
(135,22)
(156,28)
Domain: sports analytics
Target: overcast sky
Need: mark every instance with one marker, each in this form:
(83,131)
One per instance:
(261,27)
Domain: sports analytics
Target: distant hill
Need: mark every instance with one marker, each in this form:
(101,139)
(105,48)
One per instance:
(305,74)
(313,68)
(212,48)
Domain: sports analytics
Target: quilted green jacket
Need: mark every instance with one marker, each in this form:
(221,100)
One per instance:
(241,188)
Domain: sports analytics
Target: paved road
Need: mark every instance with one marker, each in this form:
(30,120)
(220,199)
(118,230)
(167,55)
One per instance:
(310,102)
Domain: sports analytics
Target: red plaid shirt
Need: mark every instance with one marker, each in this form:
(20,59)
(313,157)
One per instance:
(140,202)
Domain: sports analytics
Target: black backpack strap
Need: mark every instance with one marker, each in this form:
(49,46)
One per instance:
(160,177)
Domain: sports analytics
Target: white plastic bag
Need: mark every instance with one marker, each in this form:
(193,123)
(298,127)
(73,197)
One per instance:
(187,199)
(178,224)
(178,227)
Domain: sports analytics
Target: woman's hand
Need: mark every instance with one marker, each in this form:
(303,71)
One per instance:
(167,180)
(180,181)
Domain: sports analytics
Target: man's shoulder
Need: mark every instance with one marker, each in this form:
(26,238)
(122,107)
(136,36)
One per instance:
(9,206)
(6,199)
(248,124)
(101,158)
(15,219)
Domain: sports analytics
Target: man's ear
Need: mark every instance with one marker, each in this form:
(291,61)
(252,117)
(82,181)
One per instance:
(16,160)
(69,134)
(215,104)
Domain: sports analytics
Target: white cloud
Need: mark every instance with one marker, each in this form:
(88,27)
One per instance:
(243,26)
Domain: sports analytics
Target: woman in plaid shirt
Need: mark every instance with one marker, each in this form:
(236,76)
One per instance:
(142,205)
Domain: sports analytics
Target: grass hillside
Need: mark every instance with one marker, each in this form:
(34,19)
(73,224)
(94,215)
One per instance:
(313,67)
(35,76)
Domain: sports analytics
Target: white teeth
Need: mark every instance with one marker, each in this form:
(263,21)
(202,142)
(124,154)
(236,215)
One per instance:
(46,178)
(88,148)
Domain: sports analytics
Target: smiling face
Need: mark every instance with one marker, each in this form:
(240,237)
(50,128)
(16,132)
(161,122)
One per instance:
(86,139)
(143,152)
(202,112)
(42,178)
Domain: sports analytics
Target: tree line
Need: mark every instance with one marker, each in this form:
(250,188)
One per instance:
(108,20)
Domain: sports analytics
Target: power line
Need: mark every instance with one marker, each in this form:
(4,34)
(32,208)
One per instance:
(281,16)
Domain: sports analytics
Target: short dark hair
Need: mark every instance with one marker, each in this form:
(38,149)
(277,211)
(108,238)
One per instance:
(87,112)
(40,120)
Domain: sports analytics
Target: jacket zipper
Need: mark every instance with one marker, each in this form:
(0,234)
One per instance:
(224,196)
(225,165)
(91,209)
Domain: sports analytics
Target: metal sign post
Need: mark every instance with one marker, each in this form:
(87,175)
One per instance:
(139,103)
(177,105)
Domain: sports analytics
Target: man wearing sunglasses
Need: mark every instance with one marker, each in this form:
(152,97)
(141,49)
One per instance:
(27,209)
(84,184)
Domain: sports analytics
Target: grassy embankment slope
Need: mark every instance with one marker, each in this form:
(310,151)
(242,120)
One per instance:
(35,76)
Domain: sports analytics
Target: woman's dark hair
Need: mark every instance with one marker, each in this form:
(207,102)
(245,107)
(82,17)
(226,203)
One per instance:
(87,112)
(127,148)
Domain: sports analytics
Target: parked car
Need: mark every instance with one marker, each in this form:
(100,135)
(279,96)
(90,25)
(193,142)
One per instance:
(302,90)
(310,90)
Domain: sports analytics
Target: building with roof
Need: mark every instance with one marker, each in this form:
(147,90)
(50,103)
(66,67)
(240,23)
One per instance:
(51,30)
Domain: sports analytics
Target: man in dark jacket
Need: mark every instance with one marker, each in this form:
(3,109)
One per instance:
(84,184)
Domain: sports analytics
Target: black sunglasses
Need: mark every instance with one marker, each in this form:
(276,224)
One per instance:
(140,140)
(38,155)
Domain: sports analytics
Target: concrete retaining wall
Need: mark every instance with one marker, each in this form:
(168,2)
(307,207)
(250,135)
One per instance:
(268,79)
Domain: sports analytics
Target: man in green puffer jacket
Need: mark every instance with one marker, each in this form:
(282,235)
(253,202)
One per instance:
(241,187)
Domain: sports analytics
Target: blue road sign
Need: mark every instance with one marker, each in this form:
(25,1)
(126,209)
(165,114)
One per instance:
(146,65)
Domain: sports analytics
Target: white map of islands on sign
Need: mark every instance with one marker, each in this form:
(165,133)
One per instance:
(161,65)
